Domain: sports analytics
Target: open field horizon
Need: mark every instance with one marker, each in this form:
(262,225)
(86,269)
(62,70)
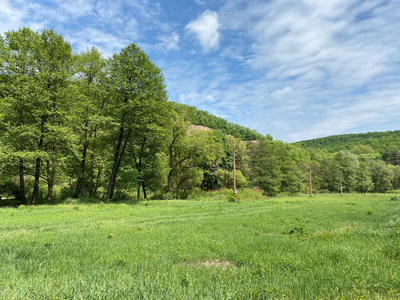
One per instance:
(325,247)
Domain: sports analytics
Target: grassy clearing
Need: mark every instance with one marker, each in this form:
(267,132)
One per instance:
(327,247)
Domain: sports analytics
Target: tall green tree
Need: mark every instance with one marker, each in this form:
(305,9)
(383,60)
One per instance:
(18,91)
(381,175)
(54,69)
(364,181)
(271,168)
(348,165)
(136,86)
(187,152)
(88,121)
(330,173)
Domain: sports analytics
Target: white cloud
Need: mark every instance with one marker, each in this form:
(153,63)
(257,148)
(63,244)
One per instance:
(170,42)
(205,28)
(281,93)
(339,57)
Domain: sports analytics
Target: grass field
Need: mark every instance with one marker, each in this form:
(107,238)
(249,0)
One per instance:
(325,247)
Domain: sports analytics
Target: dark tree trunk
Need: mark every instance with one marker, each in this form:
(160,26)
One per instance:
(50,188)
(169,180)
(97,180)
(22,196)
(91,189)
(51,171)
(119,153)
(144,190)
(36,182)
(138,192)
(37,168)
(83,163)
(111,184)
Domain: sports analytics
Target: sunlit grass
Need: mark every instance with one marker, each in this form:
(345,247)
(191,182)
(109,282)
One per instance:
(325,247)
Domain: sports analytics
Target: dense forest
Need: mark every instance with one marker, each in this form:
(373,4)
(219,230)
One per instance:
(78,125)
(380,141)
(201,117)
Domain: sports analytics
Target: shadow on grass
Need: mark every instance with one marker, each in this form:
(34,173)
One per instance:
(95,201)
(16,202)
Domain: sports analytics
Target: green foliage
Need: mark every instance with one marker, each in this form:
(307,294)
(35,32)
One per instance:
(381,175)
(271,168)
(79,125)
(210,181)
(346,165)
(391,156)
(379,141)
(200,117)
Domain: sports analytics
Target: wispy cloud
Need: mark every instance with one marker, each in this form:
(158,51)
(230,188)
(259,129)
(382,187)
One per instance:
(205,28)
(170,42)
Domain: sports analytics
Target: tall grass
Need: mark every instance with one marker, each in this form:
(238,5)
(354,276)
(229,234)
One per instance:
(325,247)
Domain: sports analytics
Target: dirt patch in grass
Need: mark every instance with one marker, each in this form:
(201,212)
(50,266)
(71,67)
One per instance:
(215,264)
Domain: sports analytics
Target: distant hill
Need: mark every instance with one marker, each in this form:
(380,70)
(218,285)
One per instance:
(380,141)
(203,118)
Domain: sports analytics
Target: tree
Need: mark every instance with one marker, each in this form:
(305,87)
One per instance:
(88,120)
(381,175)
(396,176)
(136,85)
(239,148)
(271,168)
(348,166)
(55,67)
(304,168)
(330,173)
(226,177)
(188,152)
(364,180)
(391,156)
(362,149)
(17,93)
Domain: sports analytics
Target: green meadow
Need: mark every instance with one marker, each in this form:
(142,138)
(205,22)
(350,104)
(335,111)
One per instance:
(325,247)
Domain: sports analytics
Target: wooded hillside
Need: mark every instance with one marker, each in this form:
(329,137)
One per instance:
(379,141)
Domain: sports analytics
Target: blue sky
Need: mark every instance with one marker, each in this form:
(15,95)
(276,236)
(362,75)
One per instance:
(297,69)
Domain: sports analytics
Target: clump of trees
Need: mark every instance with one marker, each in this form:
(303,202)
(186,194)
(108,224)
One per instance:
(79,125)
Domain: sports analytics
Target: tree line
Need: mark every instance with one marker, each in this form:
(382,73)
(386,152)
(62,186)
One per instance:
(379,141)
(81,126)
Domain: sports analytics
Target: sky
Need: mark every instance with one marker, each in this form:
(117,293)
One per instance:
(295,69)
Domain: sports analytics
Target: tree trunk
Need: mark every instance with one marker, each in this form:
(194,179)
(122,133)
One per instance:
(83,164)
(178,189)
(115,165)
(138,192)
(22,196)
(36,182)
(51,171)
(341,189)
(310,184)
(144,190)
(169,180)
(91,188)
(117,161)
(50,187)
(37,169)
(97,180)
